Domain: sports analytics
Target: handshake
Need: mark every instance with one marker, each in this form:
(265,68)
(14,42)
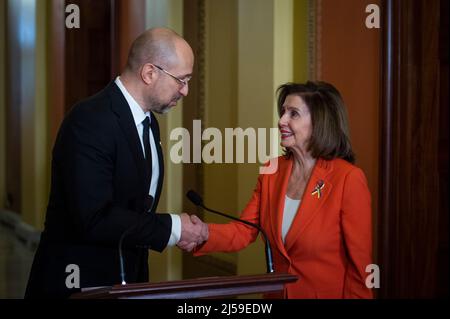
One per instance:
(193,232)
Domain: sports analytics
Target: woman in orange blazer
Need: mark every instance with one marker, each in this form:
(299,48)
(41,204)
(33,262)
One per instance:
(315,208)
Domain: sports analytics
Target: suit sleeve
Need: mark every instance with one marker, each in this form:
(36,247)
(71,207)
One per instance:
(86,149)
(357,230)
(234,236)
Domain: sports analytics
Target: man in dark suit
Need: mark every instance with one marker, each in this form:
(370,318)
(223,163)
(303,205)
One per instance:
(107,175)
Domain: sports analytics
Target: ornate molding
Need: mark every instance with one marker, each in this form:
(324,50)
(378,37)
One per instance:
(201,58)
(314,39)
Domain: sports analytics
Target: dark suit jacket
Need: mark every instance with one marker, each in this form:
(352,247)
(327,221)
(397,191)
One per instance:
(99,189)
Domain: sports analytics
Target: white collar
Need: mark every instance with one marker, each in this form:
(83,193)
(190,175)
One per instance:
(138,113)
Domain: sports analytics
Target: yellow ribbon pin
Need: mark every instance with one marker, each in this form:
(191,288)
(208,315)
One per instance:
(318,189)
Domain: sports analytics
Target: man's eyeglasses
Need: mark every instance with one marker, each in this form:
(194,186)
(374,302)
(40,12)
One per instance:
(181,81)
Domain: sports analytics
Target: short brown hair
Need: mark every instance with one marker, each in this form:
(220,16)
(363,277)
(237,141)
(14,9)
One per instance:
(330,136)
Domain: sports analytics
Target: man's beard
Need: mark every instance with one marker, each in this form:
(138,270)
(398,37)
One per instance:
(163,108)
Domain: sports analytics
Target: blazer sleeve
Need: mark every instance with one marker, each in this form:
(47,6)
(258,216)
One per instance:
(234,236)
(85,153)
(357,230)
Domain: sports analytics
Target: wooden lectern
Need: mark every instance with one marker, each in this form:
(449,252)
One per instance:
(211,287)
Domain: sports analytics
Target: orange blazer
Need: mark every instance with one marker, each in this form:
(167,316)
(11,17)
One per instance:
(329,243)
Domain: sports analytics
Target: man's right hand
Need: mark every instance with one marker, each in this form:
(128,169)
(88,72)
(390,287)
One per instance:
(193,232)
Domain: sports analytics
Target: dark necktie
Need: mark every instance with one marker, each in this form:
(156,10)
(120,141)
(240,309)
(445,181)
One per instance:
(147,148)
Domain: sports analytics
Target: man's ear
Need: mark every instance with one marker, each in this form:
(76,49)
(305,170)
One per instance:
(148,73)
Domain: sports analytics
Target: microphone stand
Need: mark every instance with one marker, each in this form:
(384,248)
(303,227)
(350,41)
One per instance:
(122,268)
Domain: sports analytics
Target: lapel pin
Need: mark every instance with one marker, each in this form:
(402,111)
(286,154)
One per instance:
(318,189)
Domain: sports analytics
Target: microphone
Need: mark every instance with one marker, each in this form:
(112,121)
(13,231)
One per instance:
(122,268)
(198,201)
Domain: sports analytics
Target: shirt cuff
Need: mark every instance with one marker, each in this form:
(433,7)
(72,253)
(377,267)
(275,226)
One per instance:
(176,230)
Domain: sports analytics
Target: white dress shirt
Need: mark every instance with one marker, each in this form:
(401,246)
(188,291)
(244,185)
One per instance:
(139,116)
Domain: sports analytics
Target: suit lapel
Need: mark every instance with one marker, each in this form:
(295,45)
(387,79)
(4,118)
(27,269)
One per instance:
(121,108)
(156,136)
(311,203)
(278,188)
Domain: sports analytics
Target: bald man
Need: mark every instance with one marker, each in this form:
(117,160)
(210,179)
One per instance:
(107,175)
